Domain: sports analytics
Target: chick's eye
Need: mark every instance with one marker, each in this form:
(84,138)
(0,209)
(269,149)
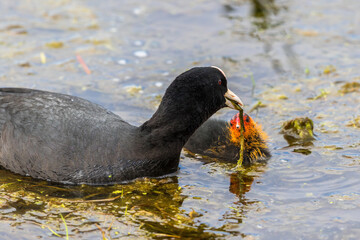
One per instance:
(219,81)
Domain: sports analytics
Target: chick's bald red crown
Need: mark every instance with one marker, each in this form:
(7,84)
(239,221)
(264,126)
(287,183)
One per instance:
(251,128)
(235,121)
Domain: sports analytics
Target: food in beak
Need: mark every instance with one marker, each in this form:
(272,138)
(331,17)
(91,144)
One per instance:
(233,101)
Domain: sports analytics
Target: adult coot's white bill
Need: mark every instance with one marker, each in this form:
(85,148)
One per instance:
(67,139)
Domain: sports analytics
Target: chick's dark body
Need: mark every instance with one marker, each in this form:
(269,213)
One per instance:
(212,139)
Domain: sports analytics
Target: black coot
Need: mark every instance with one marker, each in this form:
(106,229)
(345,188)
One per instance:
(67,139)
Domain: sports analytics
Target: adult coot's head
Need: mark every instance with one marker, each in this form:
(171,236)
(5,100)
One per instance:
(190,100)
(204,87)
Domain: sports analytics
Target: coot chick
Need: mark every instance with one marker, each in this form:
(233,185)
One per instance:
(68,139)
(221,140)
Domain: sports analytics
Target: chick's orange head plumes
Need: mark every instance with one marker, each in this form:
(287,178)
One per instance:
(254,137)
(251,128)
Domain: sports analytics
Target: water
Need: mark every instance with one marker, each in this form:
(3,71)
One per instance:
(276,52)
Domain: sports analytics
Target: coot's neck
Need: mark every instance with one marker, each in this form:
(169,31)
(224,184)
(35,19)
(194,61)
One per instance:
(173,128)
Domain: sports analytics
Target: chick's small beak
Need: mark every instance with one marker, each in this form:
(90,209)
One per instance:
(233,101)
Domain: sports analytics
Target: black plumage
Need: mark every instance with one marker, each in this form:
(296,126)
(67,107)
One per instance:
(67,139)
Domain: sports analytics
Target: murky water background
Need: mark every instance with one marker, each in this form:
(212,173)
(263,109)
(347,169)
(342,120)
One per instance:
(293,56)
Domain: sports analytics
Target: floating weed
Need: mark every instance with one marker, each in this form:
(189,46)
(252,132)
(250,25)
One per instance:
(42,58)
(55,233)
(96,200)
(24,64)
(283,97)
(298,131)
(52,231)
(252,80)
(194,214)
(66,228)
(119,192)
(323,94)
(241,137)
(329,69)
(55,44)
(355,122)
(350,87)
(126,208)
(258,105)
(102,231)
(236,210)
(163,235)
(307,33)
(253,83)
(302,151)
(134,90)
(328,127)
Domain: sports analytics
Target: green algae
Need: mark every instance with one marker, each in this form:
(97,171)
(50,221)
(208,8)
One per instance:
(350,87)
(298,131)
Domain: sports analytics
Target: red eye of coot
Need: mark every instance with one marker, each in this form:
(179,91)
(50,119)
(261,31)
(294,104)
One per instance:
(219,82)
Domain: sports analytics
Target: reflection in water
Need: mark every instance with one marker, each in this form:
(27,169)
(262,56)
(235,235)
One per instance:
(265,16)
(262,8)
(261,11)
(240,184)
(152,205)
(144,207)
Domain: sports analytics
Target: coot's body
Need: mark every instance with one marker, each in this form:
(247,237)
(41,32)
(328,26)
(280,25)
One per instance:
(71,129)
(62,138)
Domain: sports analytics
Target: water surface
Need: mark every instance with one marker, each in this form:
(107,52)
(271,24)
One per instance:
(293,56)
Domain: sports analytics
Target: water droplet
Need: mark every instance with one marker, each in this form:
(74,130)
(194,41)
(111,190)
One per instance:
(138,43)
(284,160)
(140,54)
(138,11)
(158,84)
(122,62)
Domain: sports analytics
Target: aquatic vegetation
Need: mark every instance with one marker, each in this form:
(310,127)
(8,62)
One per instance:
(257,105)
(355,122)
(241,140)
(323,94)
(298,130)
(134,90)
(350,87)
(329,69)
(55,44)
(43,57)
